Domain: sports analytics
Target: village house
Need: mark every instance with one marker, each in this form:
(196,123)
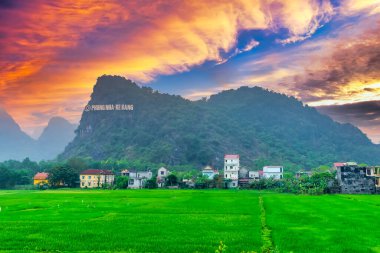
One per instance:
(41,178)
(231,170)
(354,179)
(243,180)
(209,172)
(137,179)
(303,173)
(162,173)
(253,175)
(374,171)
(96,178)
(189,182)
(337,165)
(275,172)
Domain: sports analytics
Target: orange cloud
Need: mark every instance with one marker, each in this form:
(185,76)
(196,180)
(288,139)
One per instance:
(60,48)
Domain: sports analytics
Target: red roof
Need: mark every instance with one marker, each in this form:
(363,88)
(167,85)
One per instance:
(231,156)
(339,164)
(261,172)
(96,172)
(41,176)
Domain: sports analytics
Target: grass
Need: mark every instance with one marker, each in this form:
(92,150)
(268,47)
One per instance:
(185,221)
(140,220)
(328,223)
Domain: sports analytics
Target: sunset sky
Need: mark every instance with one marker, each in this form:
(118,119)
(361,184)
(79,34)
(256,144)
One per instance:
(325,53)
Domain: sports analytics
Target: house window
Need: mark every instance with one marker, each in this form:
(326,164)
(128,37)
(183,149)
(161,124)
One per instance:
(281,170)
(89,183)
(131,182)
(226,175)
(230,167)
(369,172)
(162,172)
(89,177)
(280,176)
(233,184)
(226,160)
(82,183)
(82,177)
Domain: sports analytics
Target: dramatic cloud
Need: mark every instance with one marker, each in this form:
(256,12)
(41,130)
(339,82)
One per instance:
(366,115)
(342,67)
(355,7)
(351,71)
(52,52)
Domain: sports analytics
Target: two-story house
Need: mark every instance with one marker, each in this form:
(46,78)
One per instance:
(96,178)
(137,179)
(275,172)
(162,173)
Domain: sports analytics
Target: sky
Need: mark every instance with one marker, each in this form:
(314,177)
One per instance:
(325,53)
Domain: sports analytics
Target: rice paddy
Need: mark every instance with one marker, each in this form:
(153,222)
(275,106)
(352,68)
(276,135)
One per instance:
(185,221)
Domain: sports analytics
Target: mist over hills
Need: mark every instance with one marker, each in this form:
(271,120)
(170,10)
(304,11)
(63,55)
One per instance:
(262,126)
(55,137)
(17,145)
(14,143)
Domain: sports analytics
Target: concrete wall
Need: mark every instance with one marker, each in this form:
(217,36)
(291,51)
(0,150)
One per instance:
(353,180)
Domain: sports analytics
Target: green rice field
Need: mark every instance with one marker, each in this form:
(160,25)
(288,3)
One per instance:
(185,221)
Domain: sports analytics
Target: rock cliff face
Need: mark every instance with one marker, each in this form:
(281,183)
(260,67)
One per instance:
(262,126)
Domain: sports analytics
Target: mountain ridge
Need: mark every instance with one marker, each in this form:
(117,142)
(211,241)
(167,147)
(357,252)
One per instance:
(261,125)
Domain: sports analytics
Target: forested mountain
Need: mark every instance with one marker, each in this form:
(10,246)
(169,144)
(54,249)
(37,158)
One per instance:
(17,145)
(262,126)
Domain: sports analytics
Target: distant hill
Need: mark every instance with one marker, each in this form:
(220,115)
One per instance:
(54,138)
(262,126)
(14,143)
(17,145)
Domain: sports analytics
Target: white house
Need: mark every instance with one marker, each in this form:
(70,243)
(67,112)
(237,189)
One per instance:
(231,170)
(162,173)
(275,172)
(137,179)
(253,175)
(209,172)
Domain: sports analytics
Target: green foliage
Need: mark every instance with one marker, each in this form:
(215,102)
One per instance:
(221,248)
(322,169)
(121,182)
(203,182)
(7,178)
(63,176)
(318,183)
(151,183)
(171,180)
